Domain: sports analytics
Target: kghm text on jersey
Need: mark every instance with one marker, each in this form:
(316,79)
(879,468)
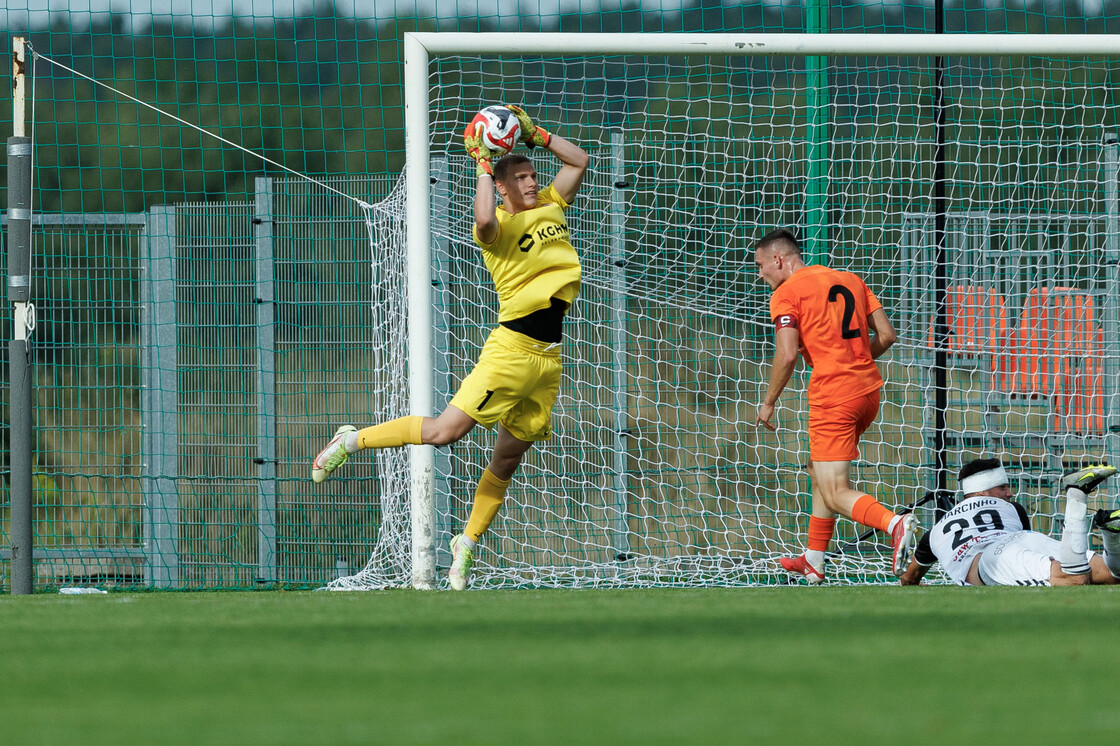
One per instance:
(551,232)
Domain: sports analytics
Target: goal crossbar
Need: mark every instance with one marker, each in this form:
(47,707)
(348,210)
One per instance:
(901,45)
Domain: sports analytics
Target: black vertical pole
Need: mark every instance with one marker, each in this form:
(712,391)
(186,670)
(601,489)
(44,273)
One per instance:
(941,276)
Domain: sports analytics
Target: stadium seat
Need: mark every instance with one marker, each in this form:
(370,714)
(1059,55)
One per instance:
(1028,371)
(1086,411)
(1054,354)
(977,321)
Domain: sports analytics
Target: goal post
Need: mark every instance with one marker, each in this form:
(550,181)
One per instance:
(419,267)
(709,154)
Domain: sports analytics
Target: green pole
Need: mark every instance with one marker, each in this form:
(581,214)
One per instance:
(815,239)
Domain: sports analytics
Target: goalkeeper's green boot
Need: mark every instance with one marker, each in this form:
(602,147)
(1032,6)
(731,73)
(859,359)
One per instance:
(1088,478)
(331,457)
(462,560)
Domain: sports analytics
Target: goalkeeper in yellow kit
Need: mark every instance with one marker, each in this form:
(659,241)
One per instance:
(525,245)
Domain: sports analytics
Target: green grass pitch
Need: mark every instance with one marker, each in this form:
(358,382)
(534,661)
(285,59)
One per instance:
(794,665)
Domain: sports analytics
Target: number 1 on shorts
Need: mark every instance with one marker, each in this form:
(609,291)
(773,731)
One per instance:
(485,399)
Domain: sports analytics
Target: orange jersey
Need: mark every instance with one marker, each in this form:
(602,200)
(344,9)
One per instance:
(829,309)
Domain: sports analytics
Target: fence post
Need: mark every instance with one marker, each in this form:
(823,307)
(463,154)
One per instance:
(159,404)
(264,298)
(22,433)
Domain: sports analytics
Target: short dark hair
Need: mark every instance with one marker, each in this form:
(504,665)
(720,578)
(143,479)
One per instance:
(503,165)
(781,235)
(978,465)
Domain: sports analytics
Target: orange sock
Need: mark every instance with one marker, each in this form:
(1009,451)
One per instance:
(392,434)
(820,533)
(870,512)
(488,501)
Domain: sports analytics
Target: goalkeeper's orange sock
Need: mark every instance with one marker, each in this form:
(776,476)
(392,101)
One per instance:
(391,434)
(870,512)
(820,536)
(488,499)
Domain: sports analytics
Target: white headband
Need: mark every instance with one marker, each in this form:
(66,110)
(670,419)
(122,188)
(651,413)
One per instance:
(984,480)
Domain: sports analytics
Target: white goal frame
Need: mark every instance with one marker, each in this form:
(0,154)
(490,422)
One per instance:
(419,49)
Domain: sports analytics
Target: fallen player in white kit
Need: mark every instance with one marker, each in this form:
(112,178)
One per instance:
(986,539)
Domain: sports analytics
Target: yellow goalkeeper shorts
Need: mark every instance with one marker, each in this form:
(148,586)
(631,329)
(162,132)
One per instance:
(514,382)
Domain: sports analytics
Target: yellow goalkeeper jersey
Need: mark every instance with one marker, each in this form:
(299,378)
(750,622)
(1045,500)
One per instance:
(532,260)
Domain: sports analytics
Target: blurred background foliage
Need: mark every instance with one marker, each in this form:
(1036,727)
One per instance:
(320,92)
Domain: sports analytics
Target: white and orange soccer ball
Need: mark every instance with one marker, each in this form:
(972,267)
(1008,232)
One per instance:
(500,129)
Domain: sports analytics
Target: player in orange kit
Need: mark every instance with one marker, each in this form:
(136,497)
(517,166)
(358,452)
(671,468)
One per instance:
(826,316)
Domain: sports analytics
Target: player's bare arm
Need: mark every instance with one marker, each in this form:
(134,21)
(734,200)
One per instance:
(885,335)
(485,219)
(484,201)
(914,574)
(575,160)
(786,341)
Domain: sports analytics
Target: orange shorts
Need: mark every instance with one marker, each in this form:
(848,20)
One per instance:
(834,430)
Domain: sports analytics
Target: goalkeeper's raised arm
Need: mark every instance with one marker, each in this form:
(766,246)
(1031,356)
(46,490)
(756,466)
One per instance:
(575,160)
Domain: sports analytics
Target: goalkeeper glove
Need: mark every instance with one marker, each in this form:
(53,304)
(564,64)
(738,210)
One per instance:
(476,149)
(531,134)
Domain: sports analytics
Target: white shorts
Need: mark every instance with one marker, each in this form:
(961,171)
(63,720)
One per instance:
(1021,558)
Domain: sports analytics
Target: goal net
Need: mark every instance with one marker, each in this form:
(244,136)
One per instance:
(194,356)
(992,244)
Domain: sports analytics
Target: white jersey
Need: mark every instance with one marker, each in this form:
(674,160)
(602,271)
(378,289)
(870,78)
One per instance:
(967,529)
